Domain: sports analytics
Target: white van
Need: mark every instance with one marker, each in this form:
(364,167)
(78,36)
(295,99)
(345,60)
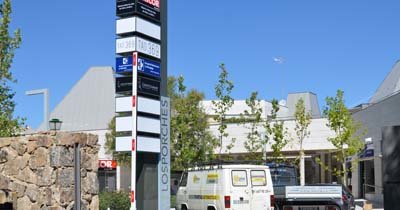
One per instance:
(226,187)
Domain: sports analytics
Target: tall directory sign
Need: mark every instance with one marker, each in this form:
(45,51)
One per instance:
(142,106)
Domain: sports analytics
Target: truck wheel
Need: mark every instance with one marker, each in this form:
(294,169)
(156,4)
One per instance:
(210,208)
(184,207)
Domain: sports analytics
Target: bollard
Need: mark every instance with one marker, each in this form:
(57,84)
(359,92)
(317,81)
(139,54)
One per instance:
(367,205)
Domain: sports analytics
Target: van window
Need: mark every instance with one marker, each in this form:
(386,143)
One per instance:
(258,178)
(239,178)
(184,179)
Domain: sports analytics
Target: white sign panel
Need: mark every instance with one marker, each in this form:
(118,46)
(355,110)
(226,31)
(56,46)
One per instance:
(131,44)
(136,24)
(125,45)
(123,144)
(148,105)
(164,164)
(149,125)
(123,104)
(148,144)
(148,47)
(123,124)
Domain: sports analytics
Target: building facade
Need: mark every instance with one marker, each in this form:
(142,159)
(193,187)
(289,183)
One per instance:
(316,145)
(382,110)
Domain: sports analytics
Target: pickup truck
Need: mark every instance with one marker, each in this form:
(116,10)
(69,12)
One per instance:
(290,196)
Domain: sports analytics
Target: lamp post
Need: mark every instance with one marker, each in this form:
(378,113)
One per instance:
(55,124)
(45,93)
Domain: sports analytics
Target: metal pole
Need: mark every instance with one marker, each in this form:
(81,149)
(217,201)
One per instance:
(46,96)
(77,176)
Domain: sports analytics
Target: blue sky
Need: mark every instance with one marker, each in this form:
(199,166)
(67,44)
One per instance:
(326,45)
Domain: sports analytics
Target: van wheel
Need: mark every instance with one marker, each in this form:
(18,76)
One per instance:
(210,208)
(184,207)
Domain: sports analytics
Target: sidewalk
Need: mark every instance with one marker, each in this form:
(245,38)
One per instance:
(360,204)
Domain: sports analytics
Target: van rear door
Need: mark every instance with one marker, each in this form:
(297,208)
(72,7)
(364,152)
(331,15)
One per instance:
(261,192)
(240,193)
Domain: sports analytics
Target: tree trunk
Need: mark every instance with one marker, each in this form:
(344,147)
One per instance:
(344,169)
(302,170)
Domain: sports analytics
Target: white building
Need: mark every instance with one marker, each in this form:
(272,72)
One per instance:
(316,145)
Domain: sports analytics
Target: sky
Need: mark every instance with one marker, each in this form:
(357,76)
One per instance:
(324,45)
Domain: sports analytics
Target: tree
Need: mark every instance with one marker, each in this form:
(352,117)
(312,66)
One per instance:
(302,120)
(9,125)
(346,141)
(223,91)
(255,144)
(191,142)
(276,131)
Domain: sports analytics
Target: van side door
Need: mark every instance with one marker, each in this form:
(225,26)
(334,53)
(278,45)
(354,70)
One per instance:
(261,192)
(240,192)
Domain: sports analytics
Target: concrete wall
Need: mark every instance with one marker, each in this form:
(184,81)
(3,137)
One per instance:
(317,141)
(373,118)
(36,172)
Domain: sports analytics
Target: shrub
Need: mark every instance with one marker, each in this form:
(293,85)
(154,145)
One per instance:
(114,200)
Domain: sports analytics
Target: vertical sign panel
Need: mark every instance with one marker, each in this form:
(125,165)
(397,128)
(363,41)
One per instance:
(165,160)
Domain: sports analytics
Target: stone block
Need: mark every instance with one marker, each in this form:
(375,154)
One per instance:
(32,191)
(19,146)
(66,195)
(94,204)
(31,146)
(45,175)
(61,156)
(3,197)
(44,141)
(65,177)
(92,139)
(90,184)
(5,142)
(4,182)
(27,175)
(18,188)
(39,158)
(11,167)
(23,203)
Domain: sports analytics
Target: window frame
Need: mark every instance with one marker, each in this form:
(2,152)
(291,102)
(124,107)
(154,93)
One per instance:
(265,178)
(247,182)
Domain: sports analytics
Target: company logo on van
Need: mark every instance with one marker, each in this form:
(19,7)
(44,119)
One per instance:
(196,179)
(212,178)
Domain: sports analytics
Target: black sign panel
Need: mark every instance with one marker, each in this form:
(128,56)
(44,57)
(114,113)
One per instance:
(123,84)
(125,7)
(149,8)
(148,86)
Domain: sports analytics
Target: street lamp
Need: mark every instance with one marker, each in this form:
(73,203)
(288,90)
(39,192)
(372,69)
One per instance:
(55,124)
(45,93)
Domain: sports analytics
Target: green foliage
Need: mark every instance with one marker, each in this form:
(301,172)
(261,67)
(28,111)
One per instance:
(9,125)
(114,200)
(123,158)
(251,119)
(223,91)
(191,143)
(276,132)
(346,141)
(302,120)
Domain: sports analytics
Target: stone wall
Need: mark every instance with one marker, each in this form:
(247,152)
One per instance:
(37,172)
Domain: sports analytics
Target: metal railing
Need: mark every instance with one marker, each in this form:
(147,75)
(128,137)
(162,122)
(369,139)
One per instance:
(368,188)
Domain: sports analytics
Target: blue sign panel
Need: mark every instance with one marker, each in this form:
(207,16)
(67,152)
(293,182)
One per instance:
(149,67)
(123,64)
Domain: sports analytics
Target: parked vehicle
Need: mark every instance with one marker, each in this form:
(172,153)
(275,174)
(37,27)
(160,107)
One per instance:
(348,202)
(290,196)
(226,187)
